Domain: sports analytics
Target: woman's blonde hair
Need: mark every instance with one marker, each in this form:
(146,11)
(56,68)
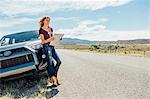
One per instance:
(42,21)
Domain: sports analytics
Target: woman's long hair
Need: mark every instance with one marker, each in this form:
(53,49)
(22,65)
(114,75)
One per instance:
(42,21)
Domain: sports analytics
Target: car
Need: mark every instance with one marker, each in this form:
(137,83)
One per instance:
(21,53)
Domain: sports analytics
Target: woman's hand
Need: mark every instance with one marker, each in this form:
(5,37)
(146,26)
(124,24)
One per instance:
(51,39)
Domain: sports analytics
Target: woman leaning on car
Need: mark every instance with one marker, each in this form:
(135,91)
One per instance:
(46,36)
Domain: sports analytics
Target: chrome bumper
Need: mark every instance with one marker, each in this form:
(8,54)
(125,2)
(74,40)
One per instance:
(17,69)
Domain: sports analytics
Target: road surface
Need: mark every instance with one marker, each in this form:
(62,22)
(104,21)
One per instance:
(89,75)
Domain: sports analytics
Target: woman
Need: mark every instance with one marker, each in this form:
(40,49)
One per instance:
(46,36)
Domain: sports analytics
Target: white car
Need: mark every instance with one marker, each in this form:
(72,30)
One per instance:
(21,54)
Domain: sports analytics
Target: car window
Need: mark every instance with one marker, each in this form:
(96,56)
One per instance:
(19,37)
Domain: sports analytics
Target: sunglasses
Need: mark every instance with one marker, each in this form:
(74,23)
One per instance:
(47,19)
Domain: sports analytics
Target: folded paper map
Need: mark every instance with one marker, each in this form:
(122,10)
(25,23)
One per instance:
(57,38)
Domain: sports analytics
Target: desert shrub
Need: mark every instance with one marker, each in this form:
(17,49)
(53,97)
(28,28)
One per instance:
(94,47)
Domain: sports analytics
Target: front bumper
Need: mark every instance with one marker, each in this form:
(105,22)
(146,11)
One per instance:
(17,69)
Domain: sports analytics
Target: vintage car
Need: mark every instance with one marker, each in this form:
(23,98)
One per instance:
(20,54)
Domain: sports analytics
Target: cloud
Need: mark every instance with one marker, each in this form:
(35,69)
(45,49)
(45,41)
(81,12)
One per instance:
(94,22)
(86,29)
(14,10)
(32,7)
(65,18)
(112,35)
(100,32)
(9,22)
(104,19)
(83,29)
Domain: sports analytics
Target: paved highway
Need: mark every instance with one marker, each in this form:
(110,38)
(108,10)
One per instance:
(89,75)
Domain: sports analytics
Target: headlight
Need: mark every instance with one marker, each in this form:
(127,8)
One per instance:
(7,53)
(36,46)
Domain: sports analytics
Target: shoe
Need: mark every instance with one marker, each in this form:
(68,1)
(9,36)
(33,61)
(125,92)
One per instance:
(52,86)
(49,84)
(54,80)
(58,82)
(50,80)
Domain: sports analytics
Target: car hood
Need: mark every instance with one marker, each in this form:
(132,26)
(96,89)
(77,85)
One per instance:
(19,45)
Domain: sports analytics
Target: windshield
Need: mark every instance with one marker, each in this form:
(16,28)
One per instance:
(19,37)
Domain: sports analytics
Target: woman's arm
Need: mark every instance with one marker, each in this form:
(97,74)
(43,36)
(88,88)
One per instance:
(47,40)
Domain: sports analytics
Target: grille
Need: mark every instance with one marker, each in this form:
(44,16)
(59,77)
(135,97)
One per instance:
(15,50)
(17,61)
(18,50)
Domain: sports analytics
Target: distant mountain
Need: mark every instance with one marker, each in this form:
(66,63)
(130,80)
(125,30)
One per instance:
(79,41)
(135,41)
(75,40)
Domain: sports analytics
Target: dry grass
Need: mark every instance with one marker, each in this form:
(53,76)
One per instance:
(74,46)
(141,50)
(33,87)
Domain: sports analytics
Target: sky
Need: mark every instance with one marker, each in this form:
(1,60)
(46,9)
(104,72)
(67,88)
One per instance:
(84,19)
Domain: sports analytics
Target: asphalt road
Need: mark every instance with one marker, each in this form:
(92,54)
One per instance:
(90,75)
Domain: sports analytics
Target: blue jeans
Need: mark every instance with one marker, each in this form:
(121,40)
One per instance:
(50,52)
